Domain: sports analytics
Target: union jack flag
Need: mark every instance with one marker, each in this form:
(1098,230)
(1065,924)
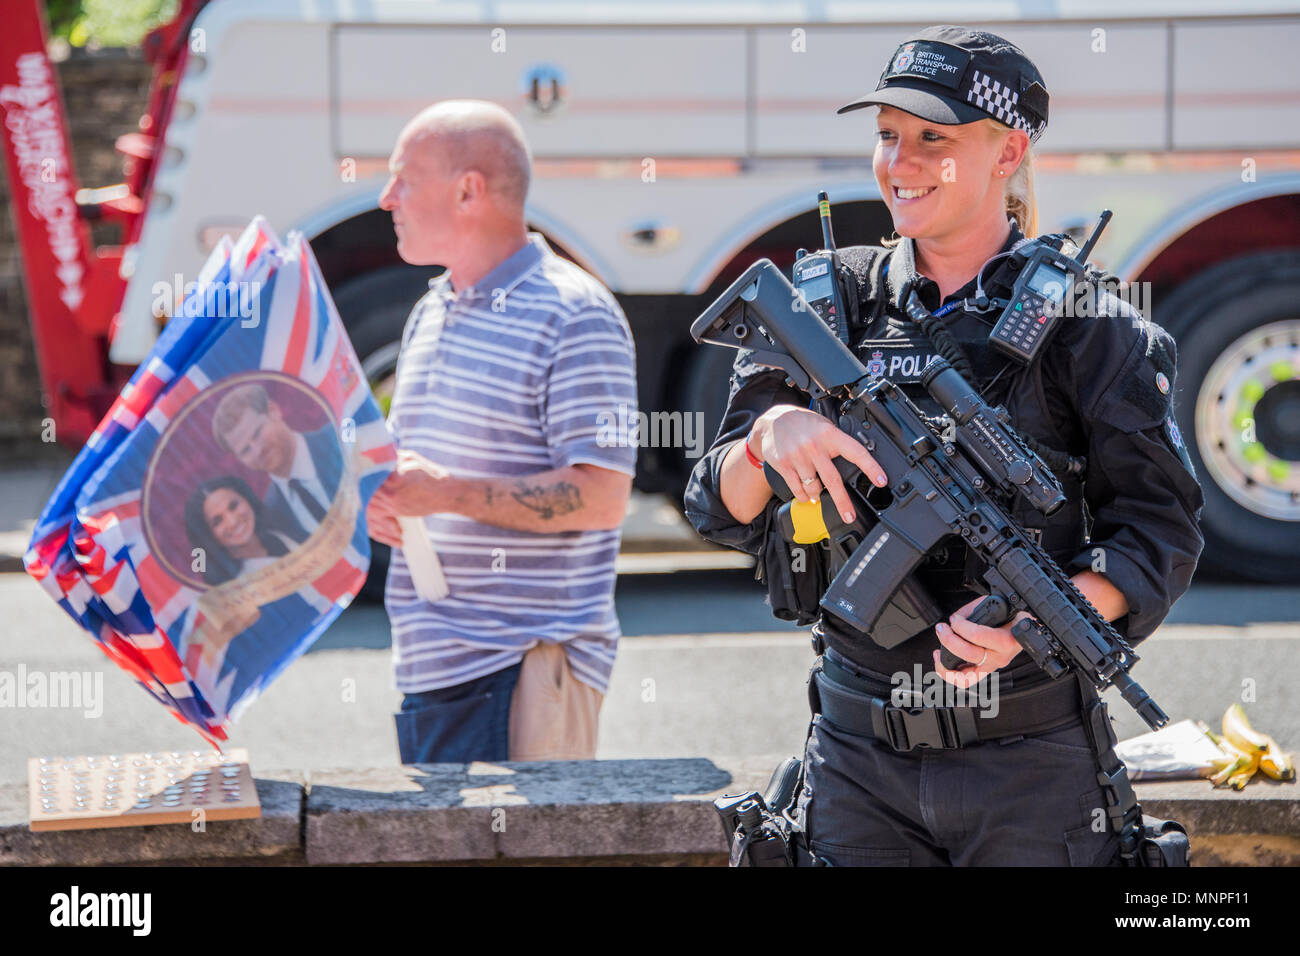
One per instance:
(214,524)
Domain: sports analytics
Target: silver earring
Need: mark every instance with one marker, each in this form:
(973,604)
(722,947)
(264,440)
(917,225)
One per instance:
(1002,172)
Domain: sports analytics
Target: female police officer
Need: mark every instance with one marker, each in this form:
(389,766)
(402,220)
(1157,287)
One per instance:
(957,112)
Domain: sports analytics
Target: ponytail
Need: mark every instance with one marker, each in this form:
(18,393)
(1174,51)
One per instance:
(1021,204)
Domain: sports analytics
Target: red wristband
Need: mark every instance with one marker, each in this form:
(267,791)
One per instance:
(753,459)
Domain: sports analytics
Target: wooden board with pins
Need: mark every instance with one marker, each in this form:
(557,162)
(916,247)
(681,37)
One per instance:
(138,789)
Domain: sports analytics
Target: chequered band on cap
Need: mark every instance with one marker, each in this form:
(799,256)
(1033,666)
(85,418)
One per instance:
(1002,103)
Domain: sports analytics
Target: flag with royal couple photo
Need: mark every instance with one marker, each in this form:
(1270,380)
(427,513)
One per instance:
(214,524)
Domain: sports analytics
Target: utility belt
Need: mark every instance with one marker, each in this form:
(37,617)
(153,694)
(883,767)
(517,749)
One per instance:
(862,707)
(767,832)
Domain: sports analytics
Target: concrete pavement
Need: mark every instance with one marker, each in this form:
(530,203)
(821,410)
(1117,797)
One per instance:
(734,685)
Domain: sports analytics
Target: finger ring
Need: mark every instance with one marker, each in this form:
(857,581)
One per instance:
(984,658)
(809,481)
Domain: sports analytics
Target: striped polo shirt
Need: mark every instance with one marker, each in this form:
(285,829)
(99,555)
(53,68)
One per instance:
(530,369)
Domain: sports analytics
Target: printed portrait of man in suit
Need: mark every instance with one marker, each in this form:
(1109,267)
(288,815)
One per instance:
(304,467)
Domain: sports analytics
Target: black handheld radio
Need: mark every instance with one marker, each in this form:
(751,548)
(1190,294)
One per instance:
(1038,299)
(817,276)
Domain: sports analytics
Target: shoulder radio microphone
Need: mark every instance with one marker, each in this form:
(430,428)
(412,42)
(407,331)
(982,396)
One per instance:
(1038,299)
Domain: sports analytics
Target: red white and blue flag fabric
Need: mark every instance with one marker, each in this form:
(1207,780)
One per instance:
(214,524)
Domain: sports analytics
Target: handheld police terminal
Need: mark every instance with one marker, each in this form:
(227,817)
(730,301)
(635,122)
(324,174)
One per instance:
(816,276)
(1038,298)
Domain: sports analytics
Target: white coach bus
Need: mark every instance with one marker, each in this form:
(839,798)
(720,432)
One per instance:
(675,142)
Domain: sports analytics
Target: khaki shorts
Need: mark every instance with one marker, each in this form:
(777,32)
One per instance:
(553,715)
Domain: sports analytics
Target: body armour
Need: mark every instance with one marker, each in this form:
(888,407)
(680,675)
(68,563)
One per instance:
(1101,391)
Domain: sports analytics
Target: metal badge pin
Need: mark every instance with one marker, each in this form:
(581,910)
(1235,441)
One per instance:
(1162,383)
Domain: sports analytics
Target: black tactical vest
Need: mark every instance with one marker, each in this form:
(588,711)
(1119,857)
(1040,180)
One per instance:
(891,345)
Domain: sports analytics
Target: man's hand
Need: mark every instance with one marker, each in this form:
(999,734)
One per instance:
(416,487)
(574,498)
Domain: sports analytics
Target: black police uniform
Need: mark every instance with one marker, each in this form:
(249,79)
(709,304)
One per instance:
(1101,392)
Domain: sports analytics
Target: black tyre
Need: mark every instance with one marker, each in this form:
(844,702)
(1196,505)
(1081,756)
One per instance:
(1238,401)
(374,308)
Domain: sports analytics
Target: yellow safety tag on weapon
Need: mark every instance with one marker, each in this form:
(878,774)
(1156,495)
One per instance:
(808,521)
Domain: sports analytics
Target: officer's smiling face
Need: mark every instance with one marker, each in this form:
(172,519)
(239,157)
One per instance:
(941,181)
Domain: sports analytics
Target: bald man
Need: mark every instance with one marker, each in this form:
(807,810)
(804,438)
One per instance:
(512,370)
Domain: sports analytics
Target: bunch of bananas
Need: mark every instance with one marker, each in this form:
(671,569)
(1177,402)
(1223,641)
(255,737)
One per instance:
(1245,751)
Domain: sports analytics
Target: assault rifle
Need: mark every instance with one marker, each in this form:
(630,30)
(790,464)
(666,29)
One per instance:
(937,488)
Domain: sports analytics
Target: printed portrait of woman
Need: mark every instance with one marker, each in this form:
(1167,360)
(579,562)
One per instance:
(225,519)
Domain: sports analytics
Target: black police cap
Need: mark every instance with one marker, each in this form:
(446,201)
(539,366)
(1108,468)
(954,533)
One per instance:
(952,75)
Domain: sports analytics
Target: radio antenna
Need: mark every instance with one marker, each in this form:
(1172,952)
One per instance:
(824,211)
(1082,257)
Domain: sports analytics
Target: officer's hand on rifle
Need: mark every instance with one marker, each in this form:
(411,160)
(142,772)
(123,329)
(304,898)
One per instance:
(801,445)
(988,648)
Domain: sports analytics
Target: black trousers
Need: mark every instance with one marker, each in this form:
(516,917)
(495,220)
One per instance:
(1021,801)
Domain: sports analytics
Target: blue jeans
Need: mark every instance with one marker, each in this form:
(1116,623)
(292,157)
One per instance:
(458,724)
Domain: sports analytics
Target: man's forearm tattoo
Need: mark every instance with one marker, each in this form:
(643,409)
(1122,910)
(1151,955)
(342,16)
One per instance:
(548,501)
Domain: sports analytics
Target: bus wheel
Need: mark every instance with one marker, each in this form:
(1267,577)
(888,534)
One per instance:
(1238,331)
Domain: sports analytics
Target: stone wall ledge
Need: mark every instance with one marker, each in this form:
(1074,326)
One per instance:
(613,812)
